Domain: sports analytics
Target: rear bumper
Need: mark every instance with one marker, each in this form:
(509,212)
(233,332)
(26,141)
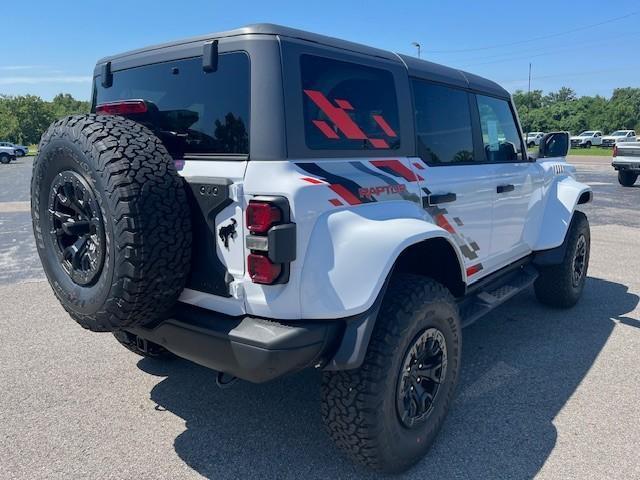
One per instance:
(627,166)
(254,349)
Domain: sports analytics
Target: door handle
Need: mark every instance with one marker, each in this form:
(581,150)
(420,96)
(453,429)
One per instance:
(431,199)
(505,188)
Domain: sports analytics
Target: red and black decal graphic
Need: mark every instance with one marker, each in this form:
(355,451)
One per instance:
(395,187)
(469,248)
(395,168)
(343,121)
(345,188)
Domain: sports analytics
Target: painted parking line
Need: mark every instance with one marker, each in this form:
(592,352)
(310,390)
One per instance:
(15,207)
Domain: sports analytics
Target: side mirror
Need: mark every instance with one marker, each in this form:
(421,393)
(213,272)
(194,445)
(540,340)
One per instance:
(554,144)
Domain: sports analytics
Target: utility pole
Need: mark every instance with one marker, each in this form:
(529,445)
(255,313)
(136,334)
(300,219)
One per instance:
(529,91)
(417,45)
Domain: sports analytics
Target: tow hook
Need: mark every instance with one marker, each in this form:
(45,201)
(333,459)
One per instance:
(224,380)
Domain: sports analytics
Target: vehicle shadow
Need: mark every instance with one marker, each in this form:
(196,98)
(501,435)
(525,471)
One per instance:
(520,366)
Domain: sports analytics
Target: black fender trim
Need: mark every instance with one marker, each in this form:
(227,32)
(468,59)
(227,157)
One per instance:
(357,334)
(553,256)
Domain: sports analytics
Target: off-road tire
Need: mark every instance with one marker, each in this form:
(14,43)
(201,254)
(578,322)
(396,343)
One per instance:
(144,219)
(5,159)
(143,348)
(555,286)
(359,406)
(627,179)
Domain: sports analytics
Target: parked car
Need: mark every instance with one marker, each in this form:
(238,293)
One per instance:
(626,161)
(619,136)
(270,200)
(20,150)
(7,154)
(533,138)
(587,139)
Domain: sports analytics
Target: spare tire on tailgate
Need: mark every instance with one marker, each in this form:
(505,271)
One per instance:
(111,221)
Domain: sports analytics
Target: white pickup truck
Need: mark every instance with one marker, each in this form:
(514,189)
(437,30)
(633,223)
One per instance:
(587,139)
(619,136)
(533,138)
(626,160)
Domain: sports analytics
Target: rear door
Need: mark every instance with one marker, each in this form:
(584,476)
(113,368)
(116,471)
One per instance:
(203,120)
(458,187)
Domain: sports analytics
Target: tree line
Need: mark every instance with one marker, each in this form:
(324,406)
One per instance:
(564,110)
(24,118)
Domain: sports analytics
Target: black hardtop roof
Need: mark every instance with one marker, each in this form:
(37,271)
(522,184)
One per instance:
(416,67)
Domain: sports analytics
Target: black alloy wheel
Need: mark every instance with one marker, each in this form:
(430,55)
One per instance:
(76,227)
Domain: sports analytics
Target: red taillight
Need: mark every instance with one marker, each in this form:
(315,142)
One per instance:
(615,150)
(261,216)
(261,270)
(122,107)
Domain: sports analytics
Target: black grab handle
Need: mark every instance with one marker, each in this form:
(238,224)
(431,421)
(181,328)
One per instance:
(432,199)
(505,188)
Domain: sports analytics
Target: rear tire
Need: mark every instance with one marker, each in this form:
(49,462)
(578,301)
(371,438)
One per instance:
(627,179)
(561,285)
(371,412)
(111,221)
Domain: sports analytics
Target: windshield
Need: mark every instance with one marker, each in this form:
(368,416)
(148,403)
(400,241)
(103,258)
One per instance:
(619,133)
(586,134)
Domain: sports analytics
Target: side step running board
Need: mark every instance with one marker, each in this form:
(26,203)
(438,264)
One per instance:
(496,293)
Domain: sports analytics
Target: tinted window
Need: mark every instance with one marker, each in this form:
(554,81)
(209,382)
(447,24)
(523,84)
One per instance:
(348,106)
(499,131)
(443,124)
(192,111)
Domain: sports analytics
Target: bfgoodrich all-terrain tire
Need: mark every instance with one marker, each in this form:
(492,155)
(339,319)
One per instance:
(561,285)
(111,221)
(387,413)
(627,179)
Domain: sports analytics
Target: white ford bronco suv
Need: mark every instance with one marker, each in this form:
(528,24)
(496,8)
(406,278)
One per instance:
(265,200)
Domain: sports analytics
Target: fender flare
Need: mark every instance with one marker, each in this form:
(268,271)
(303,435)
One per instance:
(351,252)
(562,198)
(351,350)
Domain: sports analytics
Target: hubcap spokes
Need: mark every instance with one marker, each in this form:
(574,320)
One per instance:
(77,228)
(423,371)
(579,260)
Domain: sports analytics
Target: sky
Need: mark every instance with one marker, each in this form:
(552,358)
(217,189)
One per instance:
(591,46)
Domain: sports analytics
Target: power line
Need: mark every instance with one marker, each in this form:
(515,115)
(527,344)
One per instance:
(556,51)
(535,39)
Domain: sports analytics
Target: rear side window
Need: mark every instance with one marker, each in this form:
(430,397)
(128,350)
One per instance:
(348,106)
(443,124)
(192,111)
(499,131)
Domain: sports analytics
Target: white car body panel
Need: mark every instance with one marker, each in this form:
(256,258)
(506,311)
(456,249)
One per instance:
(333,275)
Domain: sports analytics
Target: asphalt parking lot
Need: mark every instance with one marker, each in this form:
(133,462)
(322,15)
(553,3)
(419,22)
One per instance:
(543,393)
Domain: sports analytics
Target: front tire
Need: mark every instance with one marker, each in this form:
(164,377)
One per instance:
(627,179)
(19,153)
(5,159)
(587,145)
(386,413)
(561,285)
